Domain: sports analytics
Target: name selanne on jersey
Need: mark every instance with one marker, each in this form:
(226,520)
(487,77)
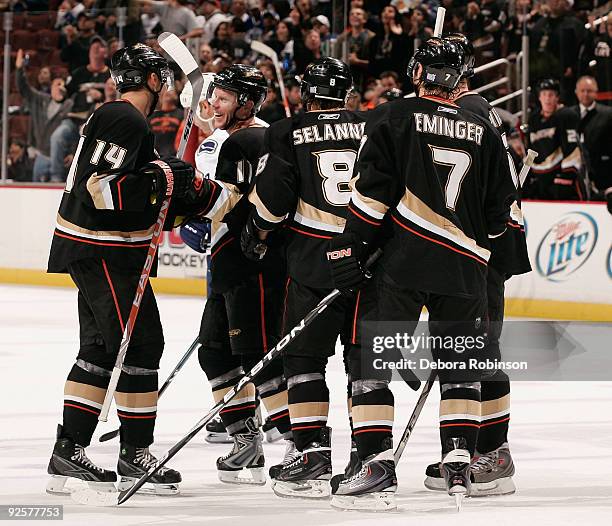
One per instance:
(303,179)
(439,174)
(106,209)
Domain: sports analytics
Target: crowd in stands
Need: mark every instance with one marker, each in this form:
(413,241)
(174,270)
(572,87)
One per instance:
(62,48)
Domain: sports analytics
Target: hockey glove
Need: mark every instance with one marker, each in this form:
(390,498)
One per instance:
(252,246)
(181,175)
(196,234)
(344,253)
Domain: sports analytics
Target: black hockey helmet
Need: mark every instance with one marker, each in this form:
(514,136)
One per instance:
(130,67)
(442,60)
(391,94)
(247,82)
(548,84)
(468,50)
(326,78)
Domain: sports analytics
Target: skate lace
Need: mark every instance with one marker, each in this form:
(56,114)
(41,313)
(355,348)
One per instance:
(484,463)
(357,475)
(291,454)
(81,457)
(145,459)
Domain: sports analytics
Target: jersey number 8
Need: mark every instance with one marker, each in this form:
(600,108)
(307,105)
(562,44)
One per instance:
(336,169)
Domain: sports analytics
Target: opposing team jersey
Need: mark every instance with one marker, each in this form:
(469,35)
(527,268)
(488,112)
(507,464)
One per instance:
(304,176)
(556,140)
(207,154)
(438,174)
(227,207)
(509,254)
(105,210)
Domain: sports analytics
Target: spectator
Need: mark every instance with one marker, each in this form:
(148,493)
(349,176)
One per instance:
(43,79)
(555,42)
(239,11)
(281,42)
(272,109)
(269,20)
(86,87)
(176,18)
(206,54)
(239,49)
(150,20)
(213,17)
(390,49)
(354,101)
(47,110)
(307,51)
(294,95)
(77,41)
(165,124)
(18,162)
(110,90)
(417,26)
(597,55)
(354,44)
(221,41)
(113,46)
(67,13)
(389,80)
(322,25)
(595,134)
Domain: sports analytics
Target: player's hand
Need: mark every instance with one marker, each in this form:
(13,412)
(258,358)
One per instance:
(171,169)
(253,247)
(196,234)
(344,255)
(19,59)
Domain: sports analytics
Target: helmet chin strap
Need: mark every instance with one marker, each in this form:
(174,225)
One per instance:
(155,97)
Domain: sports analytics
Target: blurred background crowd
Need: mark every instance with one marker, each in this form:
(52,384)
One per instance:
(61,49)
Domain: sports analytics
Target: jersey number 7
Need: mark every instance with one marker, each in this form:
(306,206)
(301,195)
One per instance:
(460,162)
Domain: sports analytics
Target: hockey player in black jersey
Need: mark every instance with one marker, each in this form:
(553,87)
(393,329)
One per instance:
(104,226)
(431,171)
(552,132)
(493,467)
(303,181)
(241,319)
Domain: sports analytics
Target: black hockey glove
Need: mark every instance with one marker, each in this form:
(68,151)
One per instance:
(196,234)
(252,247)
(180,173)
(344,253)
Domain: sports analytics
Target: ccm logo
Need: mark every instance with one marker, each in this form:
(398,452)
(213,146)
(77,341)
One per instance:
(339,254)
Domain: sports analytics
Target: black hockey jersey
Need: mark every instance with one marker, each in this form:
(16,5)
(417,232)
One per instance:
(509,251)
(304,177)
(106,211)
(227,206)
(556,140)
(433,169)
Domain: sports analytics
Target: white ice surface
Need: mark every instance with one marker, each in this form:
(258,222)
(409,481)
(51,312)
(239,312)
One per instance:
(561,435)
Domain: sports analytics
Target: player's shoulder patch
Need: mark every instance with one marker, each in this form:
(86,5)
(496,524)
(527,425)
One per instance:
(208,146)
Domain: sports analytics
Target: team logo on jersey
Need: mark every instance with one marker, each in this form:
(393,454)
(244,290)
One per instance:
(566,246)
(208,146)
(329,116)
(447,110)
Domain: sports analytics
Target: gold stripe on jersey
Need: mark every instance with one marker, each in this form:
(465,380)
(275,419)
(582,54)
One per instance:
(313,217)
(306,410)
(516,213)
(246,393)
(100,191)
(372,415)
(549,163)
(459,409)
(276,402)
(103,235)
(573,160)
(225,202)
(262,210)
(416,211)
(370,206)
(494,408)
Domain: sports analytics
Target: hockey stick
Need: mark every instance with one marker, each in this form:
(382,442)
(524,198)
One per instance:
(176,49)
(527,164)
(440,14)
(267,51)
(112,434)
(97,498)
(414,417)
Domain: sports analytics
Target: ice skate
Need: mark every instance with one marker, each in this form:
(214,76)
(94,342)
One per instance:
(69,462)
(433,478)
(372,488)
(291,453)
(455,467)
(134,462)
(353,466)
(492,473)
(216,432)
(244,464)
(308,475)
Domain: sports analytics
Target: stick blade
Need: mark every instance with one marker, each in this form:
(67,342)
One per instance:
(173,45)
(262,48)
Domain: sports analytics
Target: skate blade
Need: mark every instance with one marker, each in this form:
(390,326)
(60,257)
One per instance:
(218,438)
(458,501)
(65,486)
(92,497)
(249,476)
(435,484)
(308,489)
(373,502)
(149,488)
(503,486)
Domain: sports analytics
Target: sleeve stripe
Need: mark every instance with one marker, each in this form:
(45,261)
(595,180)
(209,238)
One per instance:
(370,206)
(100,191)
(375,223)
(263,211)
